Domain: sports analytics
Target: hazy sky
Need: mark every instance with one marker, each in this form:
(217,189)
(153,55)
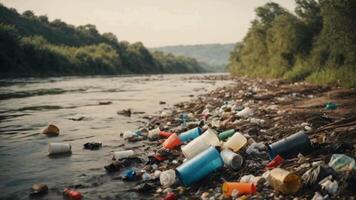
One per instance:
(155,22)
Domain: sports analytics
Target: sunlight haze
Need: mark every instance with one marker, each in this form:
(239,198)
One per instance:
(155,22)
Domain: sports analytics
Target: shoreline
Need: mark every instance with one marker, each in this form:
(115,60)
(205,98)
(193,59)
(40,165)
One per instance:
(286,108)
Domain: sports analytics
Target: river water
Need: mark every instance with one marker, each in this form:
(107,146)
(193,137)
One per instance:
(28,105)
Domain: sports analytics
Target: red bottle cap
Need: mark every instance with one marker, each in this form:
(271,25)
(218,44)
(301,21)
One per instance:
(275,162)
(170,196)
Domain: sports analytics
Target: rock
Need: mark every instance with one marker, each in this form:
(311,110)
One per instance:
(114,166)
(51,130)
(204,196)
(105,102)
(92,145)
(125,112)
(162,102)
(39,189)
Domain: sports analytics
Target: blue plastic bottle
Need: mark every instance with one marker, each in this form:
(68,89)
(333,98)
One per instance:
(190,135)
(200,166)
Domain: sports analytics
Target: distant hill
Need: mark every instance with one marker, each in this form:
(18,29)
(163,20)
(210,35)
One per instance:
(31,45)
(214,56)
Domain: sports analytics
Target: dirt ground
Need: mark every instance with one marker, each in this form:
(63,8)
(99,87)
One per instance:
(285,108)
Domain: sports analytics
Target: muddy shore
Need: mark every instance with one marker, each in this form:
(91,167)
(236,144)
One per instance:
(285,108)
(278,110)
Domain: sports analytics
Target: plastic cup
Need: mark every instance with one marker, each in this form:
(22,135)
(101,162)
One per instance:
(226,134)
(51,130)
(275,162)
(190,135)
(194,147)
(200,166)
(231,159)
(235,142)
(292,145)
(242,188)
(153,133)
(284,181)
(165,134)
(172,142)
(59,148)
(123,154)
(210,137)
(201,143)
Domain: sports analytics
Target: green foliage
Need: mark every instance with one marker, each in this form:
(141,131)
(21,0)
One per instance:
(212,57)
(33,46)
(318,45)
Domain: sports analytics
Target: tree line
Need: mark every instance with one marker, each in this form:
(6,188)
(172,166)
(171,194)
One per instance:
(317,43)
(34,46)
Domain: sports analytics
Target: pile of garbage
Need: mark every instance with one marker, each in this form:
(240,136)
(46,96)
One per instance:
(257,139)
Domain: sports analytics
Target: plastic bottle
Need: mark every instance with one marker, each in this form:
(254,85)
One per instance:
(292,145)
(71,194)
(284,181)
(229,188)
(226,134)
(123,154)
(235,142)
(172,142)
(201,143)
(231,159)
(190,134)
(200,166)
(59,148)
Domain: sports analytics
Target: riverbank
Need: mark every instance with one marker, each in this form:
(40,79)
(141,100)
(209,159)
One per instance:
(279,109)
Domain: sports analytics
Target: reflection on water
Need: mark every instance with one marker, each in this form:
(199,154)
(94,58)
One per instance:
(73,103)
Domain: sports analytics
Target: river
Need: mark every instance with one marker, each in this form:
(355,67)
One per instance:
(28,105)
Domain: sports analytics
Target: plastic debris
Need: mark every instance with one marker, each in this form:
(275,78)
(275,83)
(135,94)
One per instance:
(255,148)
(172,142)
(71,194)
(278,160)
(190,134)
(129,175)
(246,112)
(341,162)
(292,145)
(251,179)
(123,154)
(329,185)
(167,178)
(229,188)
(200,166)
(59,148)
(226,134)
(231,159)
(284,181)
(330,106)
(318,196)
(51,130)
(235,142)
(316,174)
(170,196)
